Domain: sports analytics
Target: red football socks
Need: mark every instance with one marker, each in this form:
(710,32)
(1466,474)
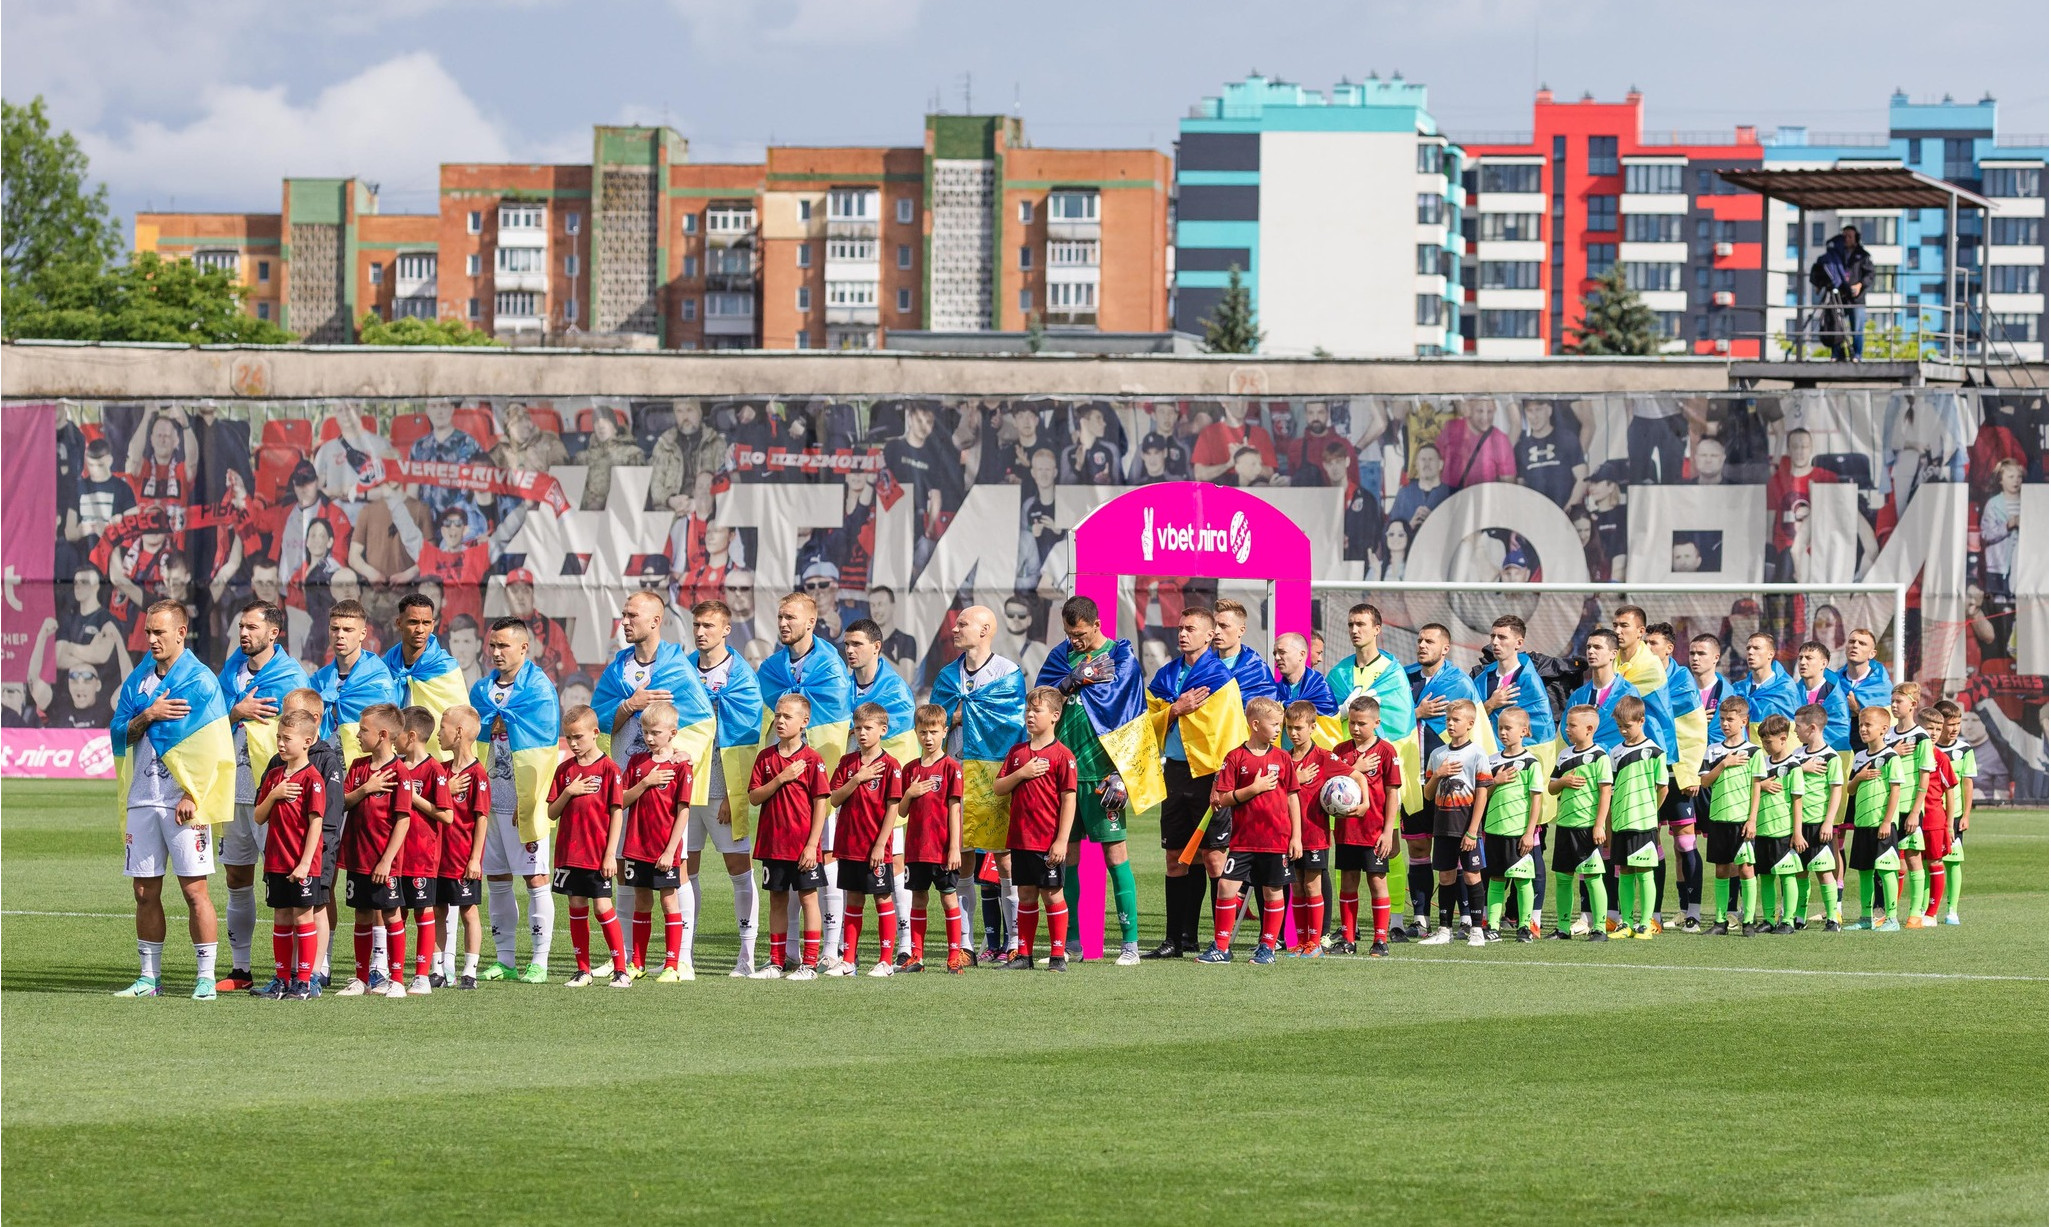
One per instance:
(919,932)
(1272,911)
(1381,920)
(776,949)
(953,903)
(282,938)
(423,941)
(672,941)
(363,951)
(1224,912)
(886,927)
(1057,929)
(580,937)
(307,941)
(851,926)
(1349,916)
(644,925)
(1316,929)
(615,942)
(395,949)
(1028,921)
(811,947)
(1936,889)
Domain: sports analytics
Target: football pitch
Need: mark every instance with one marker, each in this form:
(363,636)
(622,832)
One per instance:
(1813,1078)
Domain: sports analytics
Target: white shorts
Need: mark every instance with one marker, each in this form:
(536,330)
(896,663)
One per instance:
(157,845)
(504,853)
(242,839)
(704,825)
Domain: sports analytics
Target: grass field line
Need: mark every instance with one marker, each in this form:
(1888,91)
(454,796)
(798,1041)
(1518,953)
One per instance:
(1764,971)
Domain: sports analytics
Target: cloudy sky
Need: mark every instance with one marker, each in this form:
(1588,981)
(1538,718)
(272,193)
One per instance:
(207,105)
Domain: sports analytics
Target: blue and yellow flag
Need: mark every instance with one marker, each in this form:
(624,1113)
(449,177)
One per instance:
(821,677)
(1312,688)
(1778,695)
(1383,678)
(990,704)
(1118,713)
(1210,732)
(344,698)
(673,671)
(1690,725)
(533,713)
(1255,675)
(737,712)
(278,675)
(1648,673)
(1604,700)
(888,691)
(197,749)
(435,681)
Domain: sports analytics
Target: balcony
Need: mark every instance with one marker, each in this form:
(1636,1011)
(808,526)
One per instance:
(742,282)
(1068,230)
(851,228)
(535,282)
(729,227)
(852,313)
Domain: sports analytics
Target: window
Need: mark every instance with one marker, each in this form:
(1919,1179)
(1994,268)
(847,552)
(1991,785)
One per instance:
(1509,274)
(1914,258)
(1025,212)
(1431,309)
(690,223)
(730,261)
(1883,231)
(1500,178)
(569,266)
(2015,181)
(1602,213)
(904,210)
(519,217)
(377,273)
(221,261)
(1668,323)
(1727,232)
(1519,324)
(413,309)
(1509,227)
(690,267)
(473,309)
(2017,232)
(1642,277)
(1653,228)
(804,298)
(573,222)
(804,255)
(1959,162)
(570,311)
(1431,208)
(1884,280)
(2015,279)
(687,308)
(263,310)
(263,271)
(850,293)
(518,303)
(475,225)
(730,306)
(416,266)
(1072,207)
(904,301)
(1601,258)
(1072,296)
(856,204)
(1427,259)
(804,340)
(1025,257)
(804,215)
(1025,300)
(519,259)
(1656,179)
(1430,159)
(473,265)
(1073,253)
(904,255)
(1602,155)
(862,250)
(2017,328)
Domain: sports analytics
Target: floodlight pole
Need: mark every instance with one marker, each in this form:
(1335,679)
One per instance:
(1955,323)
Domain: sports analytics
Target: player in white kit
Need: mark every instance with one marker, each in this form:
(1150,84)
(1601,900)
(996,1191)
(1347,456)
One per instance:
(506,854)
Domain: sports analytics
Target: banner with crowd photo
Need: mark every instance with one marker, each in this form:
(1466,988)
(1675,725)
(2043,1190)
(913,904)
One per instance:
(906,510)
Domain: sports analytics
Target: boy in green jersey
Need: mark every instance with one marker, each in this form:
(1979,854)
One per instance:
(1778,787)
(1641,782)
(1823,769)
(1880,775)
(1914,744)
(1966,766)
(1727,781)
(1509,831)
(1582,780)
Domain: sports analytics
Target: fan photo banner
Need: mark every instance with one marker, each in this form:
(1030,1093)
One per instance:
(906,510)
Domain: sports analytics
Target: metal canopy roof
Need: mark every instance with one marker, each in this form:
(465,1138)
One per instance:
(1876,187)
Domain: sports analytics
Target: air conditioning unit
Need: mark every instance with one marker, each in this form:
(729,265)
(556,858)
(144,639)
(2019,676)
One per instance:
(1724,249)
(1724,298)
(1723,347)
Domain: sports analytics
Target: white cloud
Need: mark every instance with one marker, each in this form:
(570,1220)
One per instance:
(760,24)
(393,124)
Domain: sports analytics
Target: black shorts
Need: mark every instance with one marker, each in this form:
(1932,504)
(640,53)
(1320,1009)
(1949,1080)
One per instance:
(1767,850)
(1450,819)
(1867,847)
(281,890)
(857,876)
(330,863)
(1622,844)
(417,893)
(583,883)
(1313,862)
(1813,833)
(1360,858)
(1725,838)
(1678,810)
(1186,808)
(1417,825)
(1029,868)
(359,892)
(1446,853)
(647,875)
(457,892)
(778,876)
(1499,852)
(1258,868)
(922,875)
(1572,848)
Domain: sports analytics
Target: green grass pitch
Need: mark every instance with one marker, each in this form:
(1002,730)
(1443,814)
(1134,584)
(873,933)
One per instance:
(1815,1078)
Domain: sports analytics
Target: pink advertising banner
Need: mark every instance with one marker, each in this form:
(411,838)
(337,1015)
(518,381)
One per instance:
(28,538)
(56,754)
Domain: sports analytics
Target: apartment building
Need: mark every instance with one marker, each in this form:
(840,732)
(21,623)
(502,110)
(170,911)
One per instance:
(1588,189)
(247,246)
(1341,210)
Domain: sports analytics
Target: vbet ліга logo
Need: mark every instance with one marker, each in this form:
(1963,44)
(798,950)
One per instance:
(1235,539)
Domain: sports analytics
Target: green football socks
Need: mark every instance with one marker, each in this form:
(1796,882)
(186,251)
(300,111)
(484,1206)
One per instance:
(1563,894)
(1598,898)
(1919,890)
(1125,894)
(1524,896)
(1801,898)
(1498,891)
(1890,892)
(1748,895)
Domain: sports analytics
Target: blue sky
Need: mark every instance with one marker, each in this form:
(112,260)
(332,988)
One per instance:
(207,105)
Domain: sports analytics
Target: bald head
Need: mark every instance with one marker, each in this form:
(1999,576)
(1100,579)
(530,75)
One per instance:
(1292,654)
(974,629)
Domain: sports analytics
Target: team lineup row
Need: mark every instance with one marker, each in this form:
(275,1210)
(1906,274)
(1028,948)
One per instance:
(424,800)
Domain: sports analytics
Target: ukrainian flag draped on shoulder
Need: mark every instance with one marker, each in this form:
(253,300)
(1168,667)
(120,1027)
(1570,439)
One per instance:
(1383,678)
(534,719)
(1691,726)
(737,715)
(1217,726)
(672,671)
(991,705)
(1255,676)
(1648,674)
(1604,700)
(1118,712)
(888,691)
(344,698)
(278,675)
(435,681)
(1450,686)
(821,677)
(197,748)
(1778,695)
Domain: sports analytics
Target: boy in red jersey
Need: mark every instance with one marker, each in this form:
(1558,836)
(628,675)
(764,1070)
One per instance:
(1936,821)
(931,806)
(459,880)
(865,789)
(373,838)
(585,803)
(424,783)
(1367,836)
(658,801)
(291,800)
(788,787)
(1039,778)
(1314,765)
(1267,833)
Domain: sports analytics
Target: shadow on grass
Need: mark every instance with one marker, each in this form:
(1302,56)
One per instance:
(100,980)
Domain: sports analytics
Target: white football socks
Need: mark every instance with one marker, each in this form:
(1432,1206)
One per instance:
(241,924)
(746,906)
(152,956)
(901,899)
(541,921)
(505,922)
(205,952)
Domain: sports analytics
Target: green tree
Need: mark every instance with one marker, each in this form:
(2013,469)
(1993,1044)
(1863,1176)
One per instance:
(50,217)
(370,330)
(1617,322)
(1231,327)
(147,299)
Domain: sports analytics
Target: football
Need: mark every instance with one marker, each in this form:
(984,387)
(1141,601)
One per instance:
(1340,795)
